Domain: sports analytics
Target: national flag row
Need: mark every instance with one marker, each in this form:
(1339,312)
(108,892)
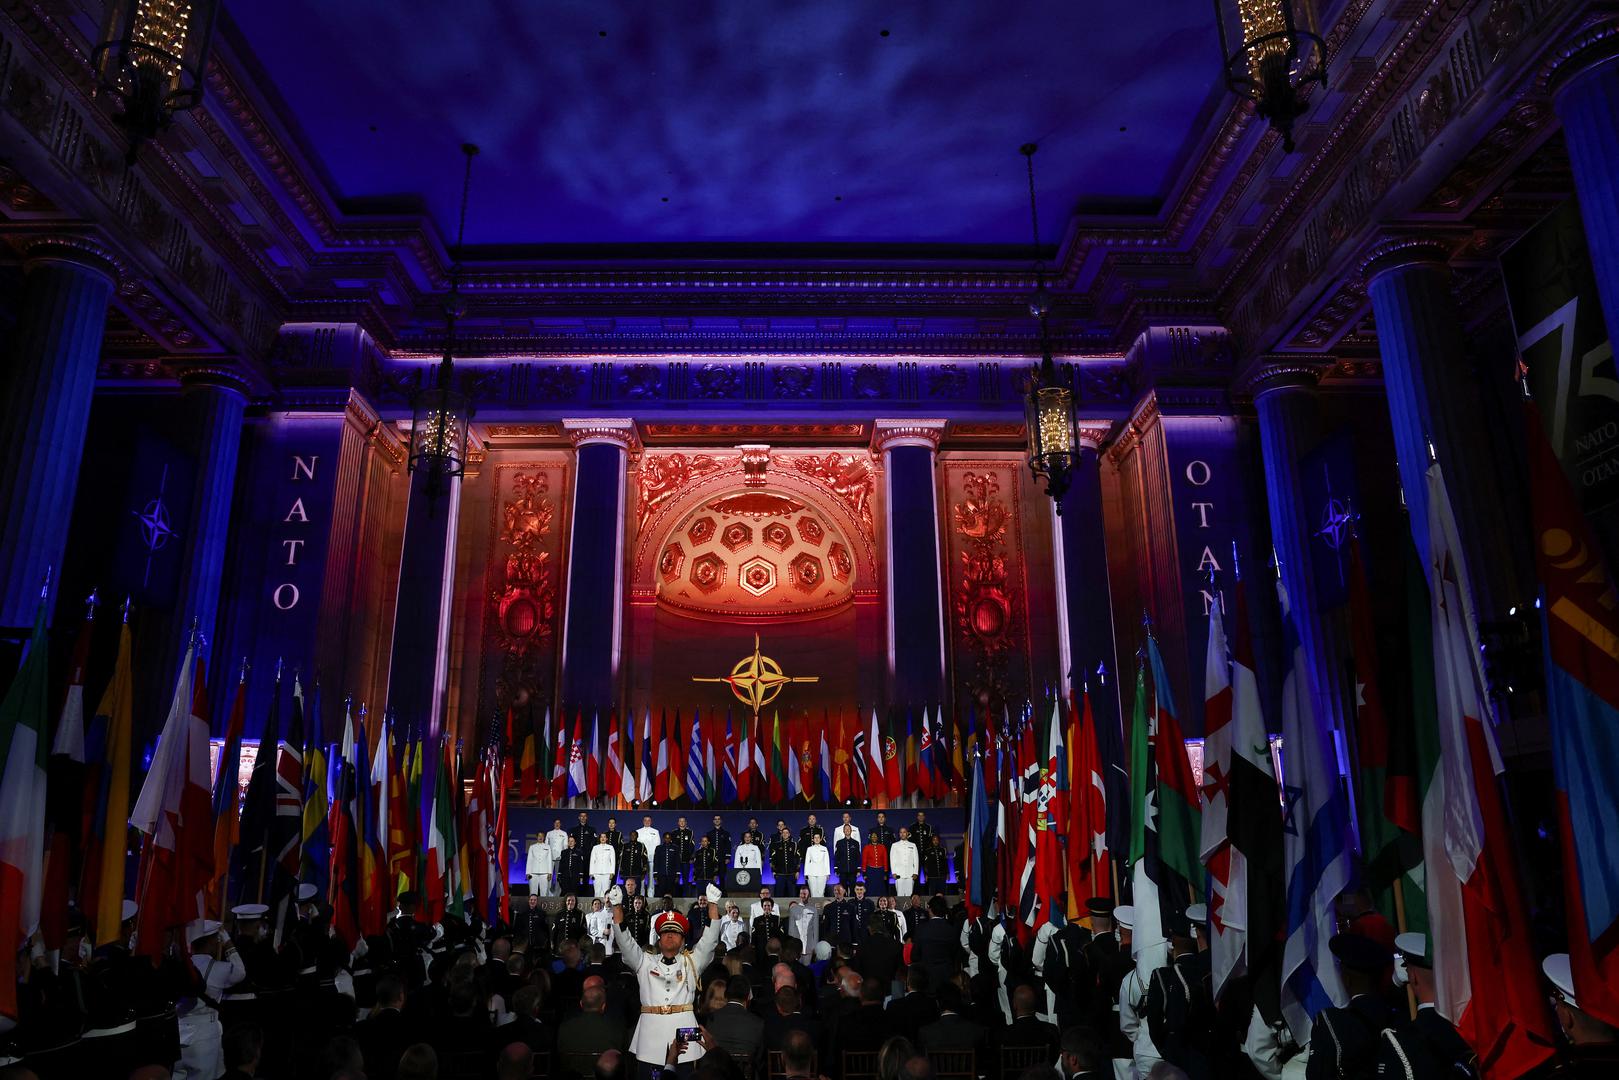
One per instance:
(380,811)
(714,759)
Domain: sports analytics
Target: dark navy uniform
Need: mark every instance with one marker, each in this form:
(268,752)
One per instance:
(1426,1048)
(1180,1013)
(720,840)
(685,845)
(666,867)
(783,860)
(1345,1042)
(846,860)
(632,861)
(584,836)
(705,869)
(569,926)
(881,834)
(571,871)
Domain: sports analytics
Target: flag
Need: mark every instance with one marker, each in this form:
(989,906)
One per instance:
(1582,690)
(226,799)
(627,783)
(1179,826)
(778,765)
(402,819)
(713,753)
(825,775)
(1088,871)
(1043,810)
(660,736)
(842,757)
(643,791)
(1316,847)
(1226,924)
(978,846)
(501,844)
(695,778)
(730,780)
(22,804)
(924,759)
(101,889)
(745,750)
(528,760)
(343,889)
(910,780)
(436,884)
(65,792)
(315,837)
(614,759)
(1149,946)
(859,760)
(1254,890)
(285,847)
(376,894)
(593,761)
(1487,982)
(562,761)
(677,757)
(259,805)
(893,766)
(957,761)
(175,813)
(577,784)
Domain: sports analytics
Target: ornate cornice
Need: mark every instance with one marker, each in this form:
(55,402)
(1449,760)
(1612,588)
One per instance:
(615,431)
(212,377)
(886,434)
(1595,44)
(81,251)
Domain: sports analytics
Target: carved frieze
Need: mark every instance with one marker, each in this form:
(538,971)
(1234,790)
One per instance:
(662,476)
(849,476)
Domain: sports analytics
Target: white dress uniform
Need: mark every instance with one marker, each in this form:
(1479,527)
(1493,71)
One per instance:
(804,923)
(747,855)
(817,868)
(202,1053)
(731,930)
(599,926)
(540,868)
(557,841)
(603,867)
(668,992)
(904,862)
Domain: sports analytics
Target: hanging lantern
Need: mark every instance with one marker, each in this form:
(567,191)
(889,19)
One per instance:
(152,57)
(1049,413)
(1279,50)
(440,413)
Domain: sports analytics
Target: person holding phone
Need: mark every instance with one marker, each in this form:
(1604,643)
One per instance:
(667,974)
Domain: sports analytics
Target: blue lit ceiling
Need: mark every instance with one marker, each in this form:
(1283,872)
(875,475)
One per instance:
(754,121)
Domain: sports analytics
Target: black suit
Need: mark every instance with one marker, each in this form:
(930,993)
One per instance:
(863,1030)
(952,1031)
(879,959)
(934,948)
(739,1033)
(1032,1031)
(911,1013)
(777,1028)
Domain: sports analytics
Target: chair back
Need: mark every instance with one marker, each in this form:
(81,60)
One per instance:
(954,1064)
(1014,1059)
(860,1065)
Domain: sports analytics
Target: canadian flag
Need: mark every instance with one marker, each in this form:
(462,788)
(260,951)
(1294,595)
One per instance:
(175,812)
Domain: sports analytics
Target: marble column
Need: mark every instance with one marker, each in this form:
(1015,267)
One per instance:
(1290,425)
(45,391)
(1586,88)
(1434,402)
(916,601)
(1085,611)
(593,605)
(212,401)
(418,658)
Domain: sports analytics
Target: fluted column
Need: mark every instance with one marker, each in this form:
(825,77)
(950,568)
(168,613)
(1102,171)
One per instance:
(45,393)
(213,400)
(916,664)
(1586,85)
(1085,605)
(593,606)
(1434,400)
(419,656)
(1290,425)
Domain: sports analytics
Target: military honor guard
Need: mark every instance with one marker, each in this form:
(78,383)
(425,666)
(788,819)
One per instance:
(667,976)
(540,866)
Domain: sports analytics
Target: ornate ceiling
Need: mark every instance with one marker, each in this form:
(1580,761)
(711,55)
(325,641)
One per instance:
(262,221)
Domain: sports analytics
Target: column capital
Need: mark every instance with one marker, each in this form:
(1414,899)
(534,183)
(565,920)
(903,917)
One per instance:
(616,431)
(1281,371)
(1399,250)
(889,433)
(79,251)
(1584,51)
(1092,433)
(215,376)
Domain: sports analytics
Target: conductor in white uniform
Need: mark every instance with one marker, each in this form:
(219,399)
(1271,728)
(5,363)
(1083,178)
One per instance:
(667,975)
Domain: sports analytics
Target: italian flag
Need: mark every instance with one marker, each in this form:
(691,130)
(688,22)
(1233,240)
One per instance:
(22,804)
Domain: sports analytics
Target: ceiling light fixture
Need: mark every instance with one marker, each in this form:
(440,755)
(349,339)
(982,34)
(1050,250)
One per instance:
(1279,51)
(440,413)
(1049,407)
(152,57)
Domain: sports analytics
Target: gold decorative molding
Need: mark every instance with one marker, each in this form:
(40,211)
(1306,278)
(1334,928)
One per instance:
(615,431)
(889,433)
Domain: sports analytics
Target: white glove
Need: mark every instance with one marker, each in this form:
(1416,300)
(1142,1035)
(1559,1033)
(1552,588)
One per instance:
(998,934)
(615,896)
(714,894)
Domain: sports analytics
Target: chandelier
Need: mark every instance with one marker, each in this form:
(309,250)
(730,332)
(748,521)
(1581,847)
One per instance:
(1279,51)
(1049,407)
(439,412)
(152,57)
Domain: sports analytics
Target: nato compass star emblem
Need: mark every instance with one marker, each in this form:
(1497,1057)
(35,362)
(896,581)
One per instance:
(156,531)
